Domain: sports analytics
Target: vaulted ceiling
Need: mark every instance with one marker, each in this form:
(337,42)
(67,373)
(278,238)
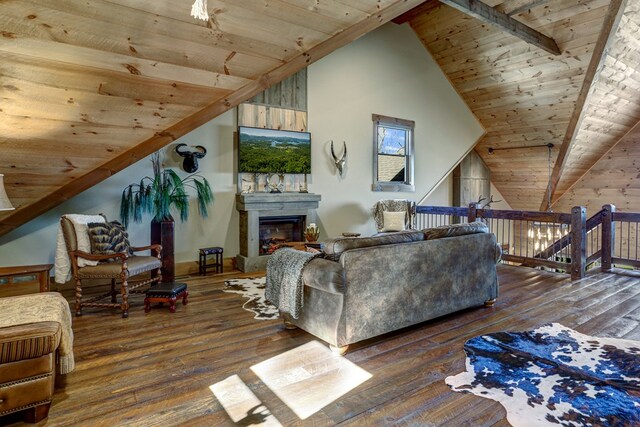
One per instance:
(583,101)
(90,87)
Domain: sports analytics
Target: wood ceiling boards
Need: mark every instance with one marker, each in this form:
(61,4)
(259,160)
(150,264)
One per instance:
(90,87)
(521,94)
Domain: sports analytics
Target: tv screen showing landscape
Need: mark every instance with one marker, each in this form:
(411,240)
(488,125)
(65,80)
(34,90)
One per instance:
(273,151)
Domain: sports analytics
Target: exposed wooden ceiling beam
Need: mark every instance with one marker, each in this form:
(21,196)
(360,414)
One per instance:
(609,26)
(492,16)
(161,139)
(526,7)
(425,7)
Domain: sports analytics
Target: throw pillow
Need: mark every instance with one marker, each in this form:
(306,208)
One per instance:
(454,230)
(108,238)
(393,221)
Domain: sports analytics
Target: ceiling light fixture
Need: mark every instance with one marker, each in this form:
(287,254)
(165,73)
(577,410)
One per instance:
(199,10)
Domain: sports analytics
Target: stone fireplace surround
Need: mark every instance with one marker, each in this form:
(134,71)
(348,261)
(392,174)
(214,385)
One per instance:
(253,206)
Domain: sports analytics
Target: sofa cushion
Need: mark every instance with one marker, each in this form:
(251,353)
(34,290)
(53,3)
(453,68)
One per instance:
(454,230)
(333,248)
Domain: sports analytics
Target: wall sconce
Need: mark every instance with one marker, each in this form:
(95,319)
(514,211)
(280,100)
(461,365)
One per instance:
(5,203)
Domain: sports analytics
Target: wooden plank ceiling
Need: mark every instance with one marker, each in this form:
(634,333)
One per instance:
(525,96)
(90,87)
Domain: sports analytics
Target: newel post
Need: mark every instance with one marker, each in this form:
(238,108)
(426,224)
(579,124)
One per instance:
(608,237)
(473,212)
(578,242)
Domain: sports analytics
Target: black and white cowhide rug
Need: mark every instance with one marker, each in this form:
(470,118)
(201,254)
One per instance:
(555,376)
(253,289)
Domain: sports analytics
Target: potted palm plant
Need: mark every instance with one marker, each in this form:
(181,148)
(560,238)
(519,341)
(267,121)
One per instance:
(157,196)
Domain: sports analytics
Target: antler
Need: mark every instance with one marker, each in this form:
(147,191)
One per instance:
(202,153)
(182,153)
(488,204)
(339,162)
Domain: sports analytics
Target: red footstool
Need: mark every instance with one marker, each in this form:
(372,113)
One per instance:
(166,292)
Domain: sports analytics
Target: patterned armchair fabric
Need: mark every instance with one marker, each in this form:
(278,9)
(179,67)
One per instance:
(395,205)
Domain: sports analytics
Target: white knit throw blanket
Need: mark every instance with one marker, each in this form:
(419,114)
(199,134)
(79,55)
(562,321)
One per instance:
(42,307)
(284,287)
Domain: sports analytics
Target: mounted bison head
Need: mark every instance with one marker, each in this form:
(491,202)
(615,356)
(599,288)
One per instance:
(190,163)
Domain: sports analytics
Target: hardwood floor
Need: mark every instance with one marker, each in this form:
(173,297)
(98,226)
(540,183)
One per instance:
(156,369)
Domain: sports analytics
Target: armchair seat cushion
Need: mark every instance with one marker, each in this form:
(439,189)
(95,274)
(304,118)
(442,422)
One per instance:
(135,265)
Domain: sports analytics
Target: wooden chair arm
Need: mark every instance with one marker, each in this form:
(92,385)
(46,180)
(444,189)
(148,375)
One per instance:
(95,257)
(155,247)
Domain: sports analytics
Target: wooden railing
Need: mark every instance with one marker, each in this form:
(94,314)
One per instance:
(574,243)
(516,232)
(619,238)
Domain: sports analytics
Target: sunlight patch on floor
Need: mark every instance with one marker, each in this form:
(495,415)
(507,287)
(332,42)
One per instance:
(241,404)
(309,377)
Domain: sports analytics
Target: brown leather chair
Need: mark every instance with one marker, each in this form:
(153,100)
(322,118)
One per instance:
(27,368)
(124,267)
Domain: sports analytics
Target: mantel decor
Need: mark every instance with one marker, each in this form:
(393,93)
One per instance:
(157,196)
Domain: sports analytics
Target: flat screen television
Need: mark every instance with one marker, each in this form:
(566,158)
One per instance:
(273,151)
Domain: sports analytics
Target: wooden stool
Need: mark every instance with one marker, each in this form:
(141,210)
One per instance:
(166,292)
(202,260)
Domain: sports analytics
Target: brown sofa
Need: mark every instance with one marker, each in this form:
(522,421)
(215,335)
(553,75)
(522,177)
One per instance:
(36,342)
(366,287)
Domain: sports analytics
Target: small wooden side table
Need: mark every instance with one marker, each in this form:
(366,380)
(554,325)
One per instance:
(203,264)
(21,279)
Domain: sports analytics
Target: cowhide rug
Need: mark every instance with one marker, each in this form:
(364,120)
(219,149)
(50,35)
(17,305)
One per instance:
(555,376)
(253,289)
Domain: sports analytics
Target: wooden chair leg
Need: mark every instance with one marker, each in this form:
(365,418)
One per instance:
(184,298)
(113,291)
(37,413)
(172,305)
(125,298)
(78,297)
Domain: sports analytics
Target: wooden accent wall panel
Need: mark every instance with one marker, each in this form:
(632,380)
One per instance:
(262,116)
(471,180)
(290,93)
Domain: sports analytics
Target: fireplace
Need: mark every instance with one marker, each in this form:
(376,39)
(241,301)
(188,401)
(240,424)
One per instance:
(266,218)
(274,230)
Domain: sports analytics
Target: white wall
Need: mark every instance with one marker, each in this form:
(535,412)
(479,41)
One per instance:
(386,72)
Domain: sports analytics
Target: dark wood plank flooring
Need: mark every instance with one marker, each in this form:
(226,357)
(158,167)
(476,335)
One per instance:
(156,369)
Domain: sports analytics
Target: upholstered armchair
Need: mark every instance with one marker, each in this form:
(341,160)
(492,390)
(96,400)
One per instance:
(408,207)
(118,267)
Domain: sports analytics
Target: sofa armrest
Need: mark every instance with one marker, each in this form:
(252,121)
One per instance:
(29,340)
(324,275)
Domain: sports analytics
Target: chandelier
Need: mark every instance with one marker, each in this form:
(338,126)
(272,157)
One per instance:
(542,234)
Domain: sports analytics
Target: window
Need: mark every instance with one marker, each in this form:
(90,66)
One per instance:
(392,154)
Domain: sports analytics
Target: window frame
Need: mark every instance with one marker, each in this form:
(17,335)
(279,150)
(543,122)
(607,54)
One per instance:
(408,184)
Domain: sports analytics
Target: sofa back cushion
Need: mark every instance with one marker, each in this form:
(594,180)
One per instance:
(333,248)
(454,230)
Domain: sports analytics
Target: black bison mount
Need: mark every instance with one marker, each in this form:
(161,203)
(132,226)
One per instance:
(190,163)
